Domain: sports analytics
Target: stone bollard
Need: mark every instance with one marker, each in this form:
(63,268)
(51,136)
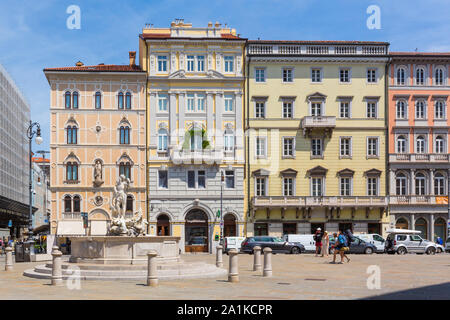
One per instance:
(57,279)
(219,261)
(257,259)
(267,262)
(152,277)
(9,259)
(233,273)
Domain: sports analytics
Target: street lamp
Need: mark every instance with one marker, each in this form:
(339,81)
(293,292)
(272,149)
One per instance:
(30,134)
(222,181)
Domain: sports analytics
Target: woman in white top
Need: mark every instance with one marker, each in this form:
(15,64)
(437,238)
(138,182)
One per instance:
(325,243)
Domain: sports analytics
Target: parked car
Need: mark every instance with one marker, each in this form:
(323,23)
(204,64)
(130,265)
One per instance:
(277,245)
(356,246)
(375,239)
(402,241)
(232,243)
(447,245)
(307,240)
(440,248)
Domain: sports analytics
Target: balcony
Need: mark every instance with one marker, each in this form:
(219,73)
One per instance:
(418,200)
(308,48)
(309,123)
(420,157)
(196,156)
(306,202)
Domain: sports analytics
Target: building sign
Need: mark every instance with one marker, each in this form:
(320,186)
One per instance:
(441,200)
(9,223)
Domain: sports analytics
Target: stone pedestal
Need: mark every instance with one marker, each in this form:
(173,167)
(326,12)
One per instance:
(267,262)
(233,272)
(257,259)
(57,279)
(9,260)
(152,276)
(219,262)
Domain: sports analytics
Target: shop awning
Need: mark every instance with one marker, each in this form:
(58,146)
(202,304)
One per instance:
(70,228)
(41,229)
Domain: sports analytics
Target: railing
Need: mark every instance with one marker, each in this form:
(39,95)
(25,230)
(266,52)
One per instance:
(419,157)
(71,215)
(317,49)
(374,50)
(317,122)
(345,50)
(290,49)
(196,157)
(337,201)
(261,49)
(418,199)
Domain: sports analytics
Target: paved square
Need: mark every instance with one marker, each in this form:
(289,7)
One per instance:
(294,277)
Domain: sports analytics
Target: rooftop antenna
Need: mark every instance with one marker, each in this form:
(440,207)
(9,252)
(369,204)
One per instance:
(43,152)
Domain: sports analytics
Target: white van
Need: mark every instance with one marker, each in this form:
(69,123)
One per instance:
(232,243)
(307,240)
(375,239)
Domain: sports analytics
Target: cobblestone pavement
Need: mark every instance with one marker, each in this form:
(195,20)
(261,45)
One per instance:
(294,277)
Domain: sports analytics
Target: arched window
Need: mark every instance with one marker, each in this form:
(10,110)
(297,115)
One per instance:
(72,134)
(120,100)
(228,141)
(401,79)
(125,169)
(67,97)
(439,109)
(128,100)
(439,228)
(162,140)
(72,171)
(400,184)
(98,100)
(420,184)
(401,144)
(402,223)
(420,76)
(420,144)
(129,207)
(439,144)
(439,184)
(75,100)
(439,76)
(76,204)
(422,225)
(401,109)
(67,204)
(420,109)
(124,135)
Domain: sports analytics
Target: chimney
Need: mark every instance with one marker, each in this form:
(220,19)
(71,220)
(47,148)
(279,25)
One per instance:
(132,55)
(79,64)
(210,24)
(217,25)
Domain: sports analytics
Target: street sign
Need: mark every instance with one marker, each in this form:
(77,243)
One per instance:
(84,215)
(218,213)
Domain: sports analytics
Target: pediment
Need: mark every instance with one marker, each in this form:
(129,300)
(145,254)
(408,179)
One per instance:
(317,96)
(214,74)
(289,172)
(261,173)
(346,172)
(179,74)
(372,172)
(318,171)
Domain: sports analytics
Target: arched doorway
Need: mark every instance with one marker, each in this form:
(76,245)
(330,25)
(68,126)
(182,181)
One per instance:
(229,225)
(422,226)
(98,222)
(402,224)
(439,229)
(196,231)
(163,225)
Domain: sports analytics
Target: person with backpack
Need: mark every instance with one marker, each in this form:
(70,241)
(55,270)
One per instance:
(318,239)
(341,245)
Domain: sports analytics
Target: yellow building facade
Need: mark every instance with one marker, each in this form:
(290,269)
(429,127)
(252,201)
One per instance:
(315,115)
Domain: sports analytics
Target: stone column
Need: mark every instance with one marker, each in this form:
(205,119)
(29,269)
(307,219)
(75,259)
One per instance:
(267,262)
(219,262)
(9,260)
(431,237)
(172,119)
(413,221)
(412,190)
(257,259)
(233,272)
(431,184)
(152,130)
(56,267)
(152,277)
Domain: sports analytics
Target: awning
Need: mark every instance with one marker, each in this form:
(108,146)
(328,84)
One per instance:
(41,229)
(70,228)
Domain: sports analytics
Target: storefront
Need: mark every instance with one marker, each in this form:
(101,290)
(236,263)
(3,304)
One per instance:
(196,231)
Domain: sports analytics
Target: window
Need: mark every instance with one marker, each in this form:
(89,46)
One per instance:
(439,76)
(346,147)
(400,185)
(72,171)
(67,204)
(228,103)
(288,187)
(229,64)
(191,102)
(228,141)
(76,204)
(129,205)
(260,146)
(372,186)
(345,186)
(260,187)
(200,63)
(125,169)
(260,110)
(344,109)
(72,135)
(75,100)
(420,184)
(372,147)
(439,184)
(120,100)
(316,109)
(98,100)
(288,147)
(287,110)
(201,179)
(191,179)
(67,100)
(439,109)
(401,144)
(420,144)
(201,103)
(163,180)
(439,146)
(229,179)
(316,187)
(196,143)
(162,103)
(190,63)
(316,147)
(316,75)
(128,100)
(371,109)
(124,135)
(260,75)
(162,140)
(344,75)
(162,63)
(288,75)
(196,179)
(420,109)
(371,75)
(401,78)
(401,109)
(420,76)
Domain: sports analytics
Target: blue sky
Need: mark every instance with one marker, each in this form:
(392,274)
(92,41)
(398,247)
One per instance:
(33,34)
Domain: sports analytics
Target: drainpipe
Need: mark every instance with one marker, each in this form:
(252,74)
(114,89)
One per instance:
(247,76)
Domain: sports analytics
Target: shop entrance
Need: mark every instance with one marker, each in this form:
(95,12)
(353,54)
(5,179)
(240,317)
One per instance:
(196,231)
(163,225)
(229,226)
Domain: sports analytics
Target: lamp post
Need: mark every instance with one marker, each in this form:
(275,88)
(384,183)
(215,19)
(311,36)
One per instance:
(30,134)
(222,180)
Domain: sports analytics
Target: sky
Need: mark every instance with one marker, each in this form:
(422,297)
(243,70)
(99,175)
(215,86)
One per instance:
(34,34)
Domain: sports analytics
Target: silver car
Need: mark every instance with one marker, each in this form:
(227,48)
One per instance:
(402,243)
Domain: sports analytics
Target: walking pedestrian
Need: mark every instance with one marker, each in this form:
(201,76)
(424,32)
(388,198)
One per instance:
(318,239)
(325,243)
(340,246)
